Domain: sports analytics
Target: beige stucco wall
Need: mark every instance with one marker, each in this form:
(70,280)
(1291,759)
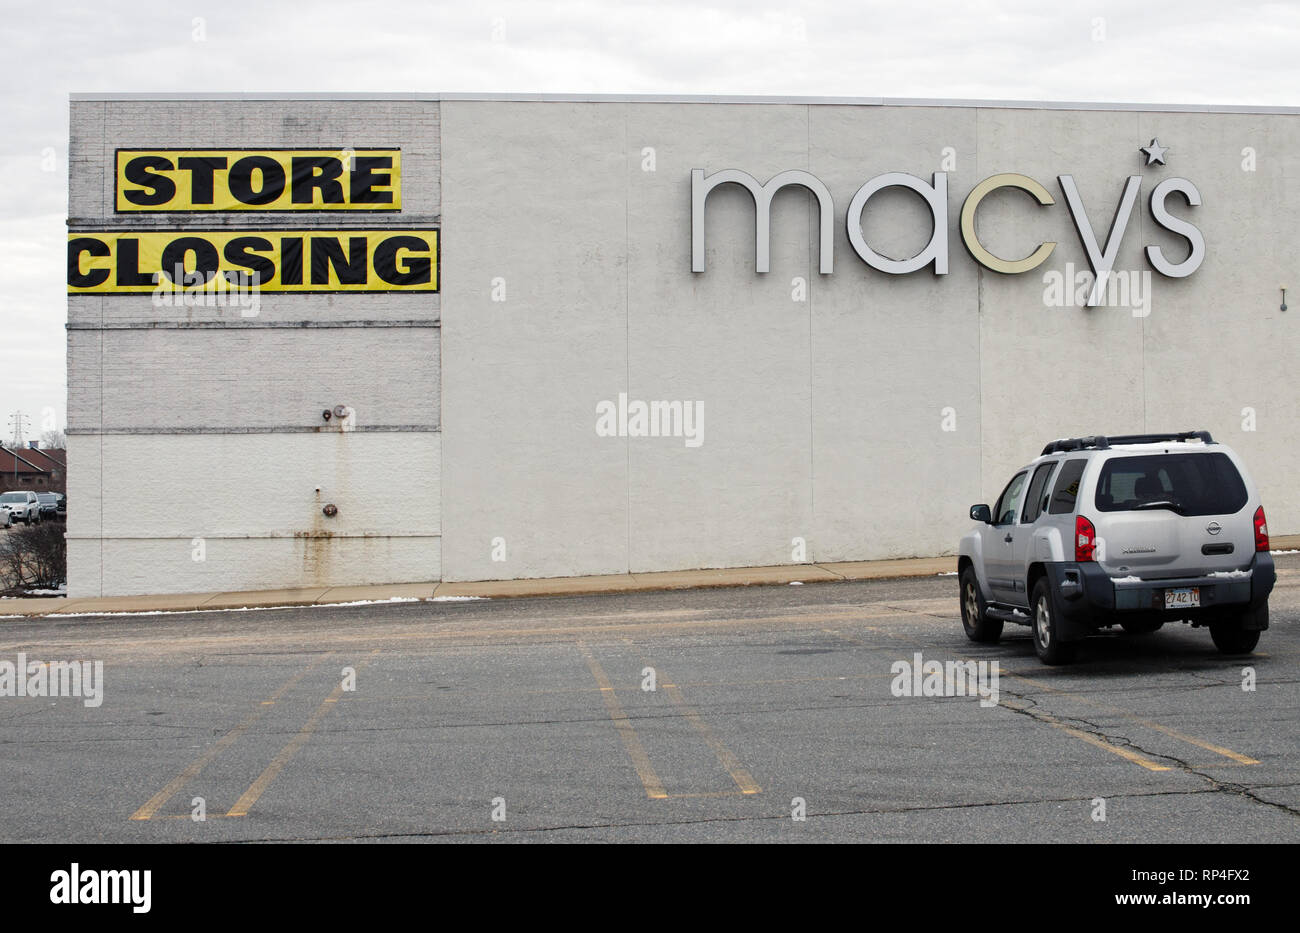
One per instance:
(824,418)
(566,280)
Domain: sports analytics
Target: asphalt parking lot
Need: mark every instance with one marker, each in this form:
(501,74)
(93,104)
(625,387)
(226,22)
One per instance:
(534,720)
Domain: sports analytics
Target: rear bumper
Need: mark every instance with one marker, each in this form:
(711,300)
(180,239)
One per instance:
(1088,598)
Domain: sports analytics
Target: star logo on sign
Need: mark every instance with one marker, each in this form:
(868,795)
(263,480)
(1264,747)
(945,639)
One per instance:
(1155,152)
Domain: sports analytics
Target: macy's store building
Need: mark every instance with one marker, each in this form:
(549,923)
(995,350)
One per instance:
(343,339)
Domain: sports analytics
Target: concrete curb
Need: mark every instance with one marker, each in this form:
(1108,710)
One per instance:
(693,579)
(492,589)
(503,589)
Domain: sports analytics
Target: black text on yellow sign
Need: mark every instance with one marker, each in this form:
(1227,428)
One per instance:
(195,180)
(123,263)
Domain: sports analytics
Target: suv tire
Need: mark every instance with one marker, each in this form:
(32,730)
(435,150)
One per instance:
(1047,633)
(1230,638)
(977,625)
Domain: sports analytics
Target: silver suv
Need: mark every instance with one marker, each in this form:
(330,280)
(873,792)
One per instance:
(1137,531)
(21,507)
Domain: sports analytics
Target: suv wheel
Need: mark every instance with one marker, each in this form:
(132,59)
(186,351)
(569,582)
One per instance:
(978,627)
(1047,634)
(1231,638)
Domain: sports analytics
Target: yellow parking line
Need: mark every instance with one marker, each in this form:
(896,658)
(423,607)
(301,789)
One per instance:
(1052,721)
(259,786)
(1172,733)
(744,780)
(174,786)
(1125,753)
(654,788)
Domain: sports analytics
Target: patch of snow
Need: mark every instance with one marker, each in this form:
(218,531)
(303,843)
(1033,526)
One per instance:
(947,573)
(169,612)
(1128,579)
(1284,552)
(1231,574)
(796,583)
(61,591)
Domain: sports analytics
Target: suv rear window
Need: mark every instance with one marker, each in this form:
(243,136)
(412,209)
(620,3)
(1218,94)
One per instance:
(1194,484)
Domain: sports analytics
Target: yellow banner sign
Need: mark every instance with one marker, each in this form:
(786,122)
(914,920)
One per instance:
(198,180)
(124,263)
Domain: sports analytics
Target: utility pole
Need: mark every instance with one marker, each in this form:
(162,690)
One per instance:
(17,419)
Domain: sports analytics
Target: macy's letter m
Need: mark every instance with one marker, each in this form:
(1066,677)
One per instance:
(762,195)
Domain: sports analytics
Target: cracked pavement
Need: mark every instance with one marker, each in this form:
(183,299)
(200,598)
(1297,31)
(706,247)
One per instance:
(766,701)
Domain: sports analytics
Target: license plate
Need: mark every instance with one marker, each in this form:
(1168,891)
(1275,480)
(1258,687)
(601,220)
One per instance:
(1183,598)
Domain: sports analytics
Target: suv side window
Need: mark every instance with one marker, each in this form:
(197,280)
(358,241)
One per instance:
(1067,487)
(1005,511)
(1035,501)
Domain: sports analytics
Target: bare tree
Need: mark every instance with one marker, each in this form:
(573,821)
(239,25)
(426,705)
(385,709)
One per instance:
(33,557)
(56,439)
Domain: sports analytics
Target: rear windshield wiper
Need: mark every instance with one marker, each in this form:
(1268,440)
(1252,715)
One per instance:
(1162,504)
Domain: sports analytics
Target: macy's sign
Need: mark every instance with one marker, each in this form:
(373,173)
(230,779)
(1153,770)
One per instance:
(1101,257)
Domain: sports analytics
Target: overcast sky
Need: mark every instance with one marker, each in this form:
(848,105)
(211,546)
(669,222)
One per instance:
(1191,52)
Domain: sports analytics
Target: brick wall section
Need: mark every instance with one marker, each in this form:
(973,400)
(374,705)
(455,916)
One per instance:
(252,378)
(154,392)
(98,128)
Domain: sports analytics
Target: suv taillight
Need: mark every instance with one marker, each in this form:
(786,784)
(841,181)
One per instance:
(1261,530)
(1085,539)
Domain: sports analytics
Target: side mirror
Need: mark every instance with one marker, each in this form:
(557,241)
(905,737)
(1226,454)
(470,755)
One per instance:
(981,513)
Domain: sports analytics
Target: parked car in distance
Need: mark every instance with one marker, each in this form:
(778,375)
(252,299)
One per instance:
(1134,531)
(22,507)
(50,505)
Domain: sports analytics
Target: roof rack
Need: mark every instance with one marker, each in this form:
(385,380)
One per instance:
(1102,442)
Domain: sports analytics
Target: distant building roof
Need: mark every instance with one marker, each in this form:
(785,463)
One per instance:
(7,465)
(43,458)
